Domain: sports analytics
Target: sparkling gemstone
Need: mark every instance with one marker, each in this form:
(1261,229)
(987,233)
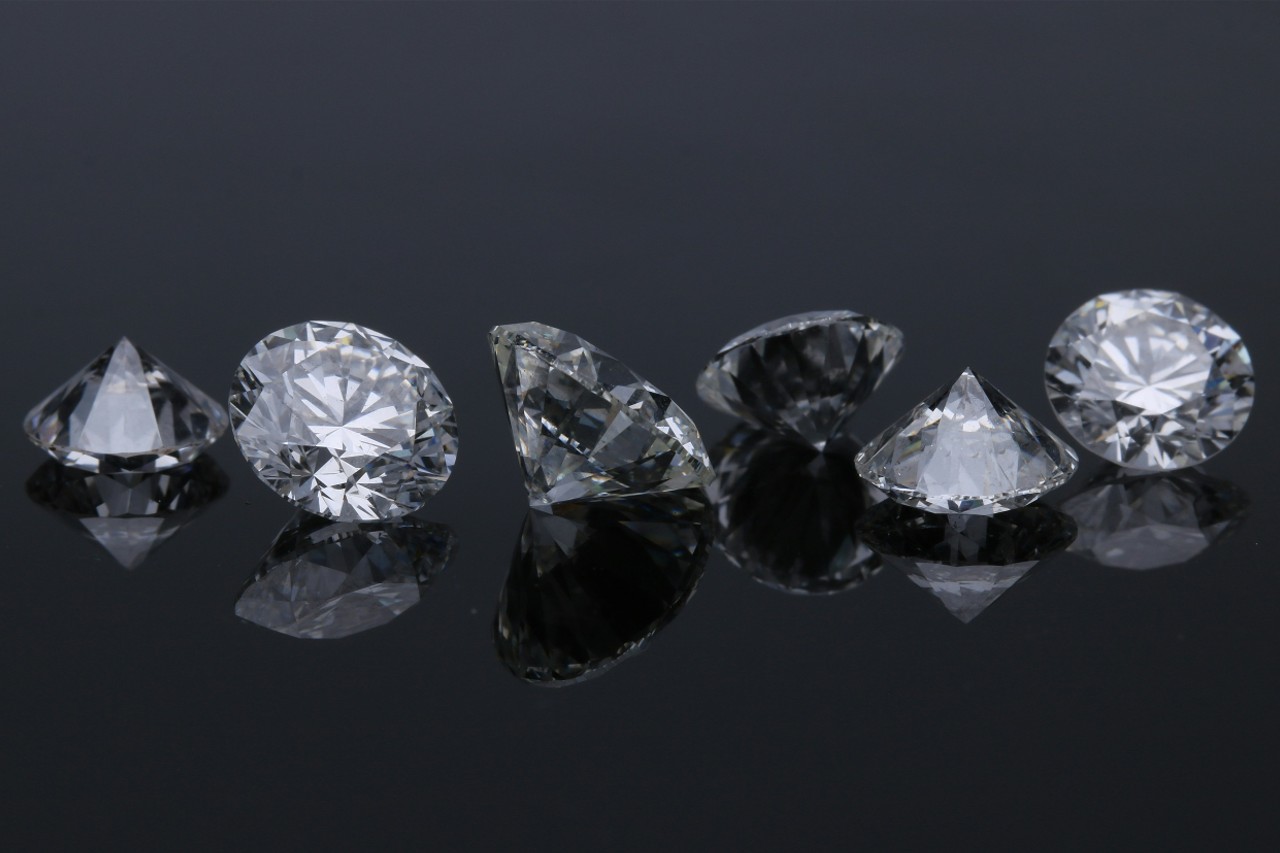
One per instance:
(129,514)
(324,579)
(125,411)
(966,449)
(585,425)
(804,375)
(1145,522)
(343,421)
(1149,379)
(967,561)
(592,582)
(787,513)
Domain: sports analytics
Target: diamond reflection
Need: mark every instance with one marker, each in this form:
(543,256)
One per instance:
(590,583)
(128,514)
(787,513)
(966,561)
(1131,521)
(323,580)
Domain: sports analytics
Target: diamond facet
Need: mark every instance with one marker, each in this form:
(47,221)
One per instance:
(804,375)
(1149,379)
(966,449)
(787,513)
(967,561)
(1146,522)
(592,582)
(585,425)
(343,421)
(129,514)
(322,580)
(126,411)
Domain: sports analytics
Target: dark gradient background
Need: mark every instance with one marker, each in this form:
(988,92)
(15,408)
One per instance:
(657,178)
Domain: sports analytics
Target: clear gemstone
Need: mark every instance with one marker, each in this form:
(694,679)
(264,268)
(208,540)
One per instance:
(129,514)
(592,582)
(1149,379)
(967,561)
(804,375)
(126,411)
(323,579)
(966,449)
(1146,522)
(343,421)
(787,513)
(585,425)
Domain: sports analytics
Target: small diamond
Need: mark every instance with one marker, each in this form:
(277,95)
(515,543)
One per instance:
(804,375)
(343,421)
(786,513)
(592,582)
(129,514)
(322,579)
(967,561)
(966,448)
(126,411)
(1149,379)
(585,425)
(1146,522)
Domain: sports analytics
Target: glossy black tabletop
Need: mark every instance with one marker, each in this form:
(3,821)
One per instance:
(656,178)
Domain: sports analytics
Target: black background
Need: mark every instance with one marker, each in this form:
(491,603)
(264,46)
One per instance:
(657,178)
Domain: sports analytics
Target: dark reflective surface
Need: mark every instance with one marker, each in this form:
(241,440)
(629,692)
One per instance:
(130,515)
(591,583)
(967,561)
(787,513)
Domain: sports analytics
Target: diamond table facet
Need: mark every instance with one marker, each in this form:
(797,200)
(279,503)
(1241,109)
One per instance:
(585,425)
(1149,379)
(126,411)
(966,449)
(343,421)
(804,375)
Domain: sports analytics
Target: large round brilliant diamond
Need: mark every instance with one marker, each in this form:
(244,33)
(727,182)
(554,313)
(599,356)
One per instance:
(1149,379)
(343,421)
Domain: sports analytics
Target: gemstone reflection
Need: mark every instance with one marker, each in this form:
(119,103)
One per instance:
(967,561)
(323,579)
(787,513)
(129,514)
(1136,522)
(591,582)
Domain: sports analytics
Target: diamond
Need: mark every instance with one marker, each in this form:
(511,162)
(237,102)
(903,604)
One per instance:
(967,561)
(343,421)
(126,411)
(591,583)
(1149,379)
(803,375)
(787,513)
(323,579)
(129,514)
(585,425)
(966,449)
(1146,522)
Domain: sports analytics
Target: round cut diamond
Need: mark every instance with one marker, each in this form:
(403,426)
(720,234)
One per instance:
(1149,379)
(343,421)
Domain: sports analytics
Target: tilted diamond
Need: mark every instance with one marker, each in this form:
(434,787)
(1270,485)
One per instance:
(967,561)
(343,421)
(804,375)
(1146,522)
(585,425)
(966,449)
(322,579)
(126,411)
(1149,379)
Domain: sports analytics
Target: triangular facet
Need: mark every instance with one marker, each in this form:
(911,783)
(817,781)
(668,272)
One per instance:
(585,425)
(967,448)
